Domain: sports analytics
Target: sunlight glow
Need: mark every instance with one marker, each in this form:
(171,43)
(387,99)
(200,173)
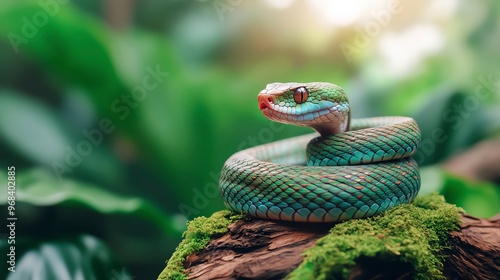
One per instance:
(338,12)
(280,4)
(404,51)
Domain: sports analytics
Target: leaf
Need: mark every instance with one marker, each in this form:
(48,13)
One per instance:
(31,128)
(480,199)
(38,187)
(82,257)
(71,45)
(37,133)
(449,123)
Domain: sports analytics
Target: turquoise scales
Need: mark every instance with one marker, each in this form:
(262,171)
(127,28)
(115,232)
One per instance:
(355,168)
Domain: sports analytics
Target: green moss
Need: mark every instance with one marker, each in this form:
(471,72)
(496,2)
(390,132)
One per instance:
(199,232)
(413,234)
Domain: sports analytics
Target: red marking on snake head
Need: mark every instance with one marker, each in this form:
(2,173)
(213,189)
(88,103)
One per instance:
(265,101)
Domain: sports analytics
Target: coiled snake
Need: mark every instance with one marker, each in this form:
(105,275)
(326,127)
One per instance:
(355,168)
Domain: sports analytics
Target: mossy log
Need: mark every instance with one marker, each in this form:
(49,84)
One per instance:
(428,239)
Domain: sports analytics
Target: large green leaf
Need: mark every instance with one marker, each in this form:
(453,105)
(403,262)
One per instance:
(38,187)
(450,123)
(31,128)
(480,199)
(82,257)
(70,45)
(37,133)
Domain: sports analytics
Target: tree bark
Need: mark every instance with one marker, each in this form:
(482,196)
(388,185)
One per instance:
(259,249)
(475,250)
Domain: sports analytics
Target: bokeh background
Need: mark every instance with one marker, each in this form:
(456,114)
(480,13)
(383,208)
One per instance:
(118,114)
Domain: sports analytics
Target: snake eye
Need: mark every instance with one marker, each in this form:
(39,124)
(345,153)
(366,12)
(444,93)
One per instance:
(300,95)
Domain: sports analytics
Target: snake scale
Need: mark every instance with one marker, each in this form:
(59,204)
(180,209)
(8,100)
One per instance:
(354,168)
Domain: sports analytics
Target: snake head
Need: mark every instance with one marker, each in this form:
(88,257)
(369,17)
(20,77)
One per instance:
(322,106)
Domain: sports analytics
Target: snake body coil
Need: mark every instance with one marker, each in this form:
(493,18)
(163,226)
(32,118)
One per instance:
(355,168)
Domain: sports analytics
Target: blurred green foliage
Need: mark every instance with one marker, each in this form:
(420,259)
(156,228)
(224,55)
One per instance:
(118,124)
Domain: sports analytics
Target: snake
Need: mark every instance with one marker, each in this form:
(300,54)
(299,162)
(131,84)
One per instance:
(347,169)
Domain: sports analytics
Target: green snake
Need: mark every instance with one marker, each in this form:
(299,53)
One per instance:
(355,168)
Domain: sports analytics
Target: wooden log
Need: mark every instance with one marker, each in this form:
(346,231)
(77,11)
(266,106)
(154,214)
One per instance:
(475,249)
(255,249)
(259,249)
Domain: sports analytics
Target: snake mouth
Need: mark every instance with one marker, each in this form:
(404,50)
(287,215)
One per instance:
(297,119)
(295,115)
(265,102)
